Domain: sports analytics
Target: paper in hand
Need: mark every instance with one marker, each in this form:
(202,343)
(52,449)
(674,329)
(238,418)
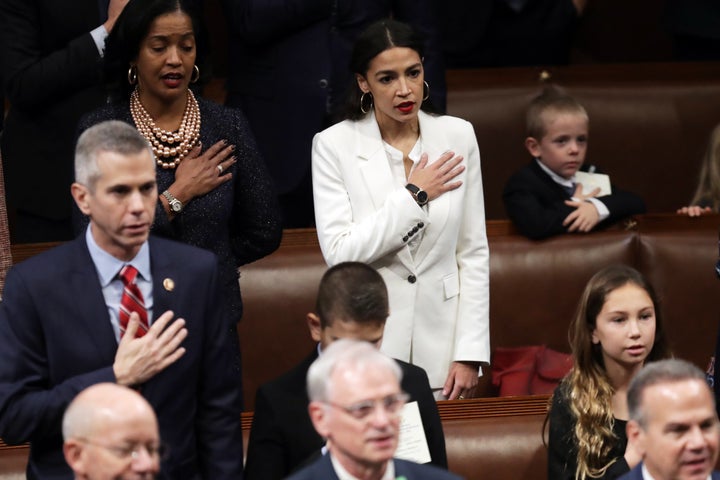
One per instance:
(591,181)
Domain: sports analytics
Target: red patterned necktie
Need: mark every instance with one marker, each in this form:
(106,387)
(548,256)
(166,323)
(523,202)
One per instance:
(131,301)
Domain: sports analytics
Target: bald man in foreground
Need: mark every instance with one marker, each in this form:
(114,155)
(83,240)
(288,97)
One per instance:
(111,432)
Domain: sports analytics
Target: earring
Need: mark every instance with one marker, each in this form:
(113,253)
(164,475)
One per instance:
(195,75)
(362,101)
(427,91)
(132,75)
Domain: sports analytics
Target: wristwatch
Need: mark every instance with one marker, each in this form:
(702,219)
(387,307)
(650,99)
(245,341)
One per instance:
(175,205)
(421,196)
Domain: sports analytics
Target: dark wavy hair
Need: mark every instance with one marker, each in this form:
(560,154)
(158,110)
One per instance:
(378,37)
(123,44)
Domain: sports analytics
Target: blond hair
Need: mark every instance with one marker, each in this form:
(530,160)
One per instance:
(708,189)
(552,100)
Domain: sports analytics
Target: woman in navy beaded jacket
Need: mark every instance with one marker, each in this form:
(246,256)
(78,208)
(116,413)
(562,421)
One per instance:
(216,192)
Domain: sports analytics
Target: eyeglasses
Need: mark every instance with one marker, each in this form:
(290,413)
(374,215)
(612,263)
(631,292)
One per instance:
(131,452)
(362,410)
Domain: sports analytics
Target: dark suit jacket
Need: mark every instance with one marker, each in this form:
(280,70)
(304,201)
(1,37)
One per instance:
(52,76)
(488,33)
(322,469)
(57,340)
(636,474)
(282,437)
(536,204)
(698,18)
(289,65)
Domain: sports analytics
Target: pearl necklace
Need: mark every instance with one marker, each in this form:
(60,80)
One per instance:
(169,147)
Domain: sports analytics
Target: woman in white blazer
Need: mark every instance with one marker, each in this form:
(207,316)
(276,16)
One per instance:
(400,189)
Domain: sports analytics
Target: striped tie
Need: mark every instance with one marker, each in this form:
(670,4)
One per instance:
(131,301)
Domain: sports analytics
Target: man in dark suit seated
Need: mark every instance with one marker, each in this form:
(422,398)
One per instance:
(352,303)
(111,431)
(673,424)
(118,305)
(356,403)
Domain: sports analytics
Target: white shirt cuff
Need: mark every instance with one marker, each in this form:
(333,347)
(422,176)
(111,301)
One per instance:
(99,35)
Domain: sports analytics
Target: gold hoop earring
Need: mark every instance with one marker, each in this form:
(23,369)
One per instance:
(362,101)
(195,75)
(132,75)
(427,90)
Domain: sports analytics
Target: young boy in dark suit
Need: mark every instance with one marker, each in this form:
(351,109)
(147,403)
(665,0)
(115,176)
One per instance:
(545,198)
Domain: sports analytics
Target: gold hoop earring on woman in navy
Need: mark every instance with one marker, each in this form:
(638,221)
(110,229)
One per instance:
(195,75)
(426,91)
(132,75)
(364,109)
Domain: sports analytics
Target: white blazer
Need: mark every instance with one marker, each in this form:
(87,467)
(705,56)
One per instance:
(439,298)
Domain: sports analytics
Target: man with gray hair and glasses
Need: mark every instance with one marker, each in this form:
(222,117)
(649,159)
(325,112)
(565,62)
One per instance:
(111,432)
(673,423)
(355,404)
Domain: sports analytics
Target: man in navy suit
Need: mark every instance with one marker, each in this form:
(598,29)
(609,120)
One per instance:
(355,404)
(352,303)
(111,431)
(51,53)
(673,424)
(63,323)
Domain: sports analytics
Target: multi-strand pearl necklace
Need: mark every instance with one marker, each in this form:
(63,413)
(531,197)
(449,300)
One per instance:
(169,147)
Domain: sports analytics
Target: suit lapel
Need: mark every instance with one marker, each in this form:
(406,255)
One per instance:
(374,166)
(434,143)
(164,283)
(549,182)
(325,468)
(92,312)
(375,170)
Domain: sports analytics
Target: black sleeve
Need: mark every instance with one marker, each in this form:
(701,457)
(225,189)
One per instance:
(561,446)
(562,451)
(256,228)
(266,452)
(533,208)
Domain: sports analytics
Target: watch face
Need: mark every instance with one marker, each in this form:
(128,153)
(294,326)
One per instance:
(176,206)
(422,197)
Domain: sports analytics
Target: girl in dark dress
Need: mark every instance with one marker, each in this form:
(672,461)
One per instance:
(617,328)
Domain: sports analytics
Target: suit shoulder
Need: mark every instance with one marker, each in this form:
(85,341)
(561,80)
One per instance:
(112,111)
(341,129)
(57,258)
(451,126)
(218,111)
(292,381)
(449,120)
(411,371)
(527,175)
(423,471)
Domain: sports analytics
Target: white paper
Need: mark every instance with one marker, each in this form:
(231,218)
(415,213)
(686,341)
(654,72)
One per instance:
(412,444)
(591,181)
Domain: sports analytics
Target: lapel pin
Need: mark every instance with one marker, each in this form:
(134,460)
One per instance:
(169,284)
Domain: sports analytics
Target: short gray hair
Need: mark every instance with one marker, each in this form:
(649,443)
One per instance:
(663,371)
(110,136)
(355,354)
